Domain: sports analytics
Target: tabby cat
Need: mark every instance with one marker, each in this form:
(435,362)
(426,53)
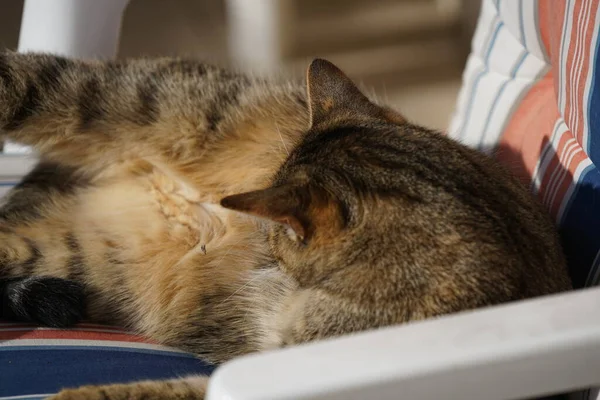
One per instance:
(224,214)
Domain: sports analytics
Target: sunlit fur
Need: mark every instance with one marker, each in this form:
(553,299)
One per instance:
(224,215)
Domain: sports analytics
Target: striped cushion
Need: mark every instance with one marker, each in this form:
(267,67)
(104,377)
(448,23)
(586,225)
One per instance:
(531,94)
(36,362)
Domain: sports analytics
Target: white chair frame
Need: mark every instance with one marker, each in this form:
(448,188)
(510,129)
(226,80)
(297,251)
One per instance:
(520,350)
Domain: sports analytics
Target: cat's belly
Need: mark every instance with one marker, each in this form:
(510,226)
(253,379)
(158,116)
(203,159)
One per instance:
(136,239)
(155,251)
(151,210)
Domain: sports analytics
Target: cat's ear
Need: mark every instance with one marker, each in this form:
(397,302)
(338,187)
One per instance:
(331,95)
(303,209)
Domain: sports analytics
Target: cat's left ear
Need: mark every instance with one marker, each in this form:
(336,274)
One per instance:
(332,95)
(302,208)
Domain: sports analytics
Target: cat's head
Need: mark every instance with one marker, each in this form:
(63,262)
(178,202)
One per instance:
(334,200)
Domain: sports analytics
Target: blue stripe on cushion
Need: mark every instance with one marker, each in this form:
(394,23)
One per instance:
(35,371)
(511,78)
(490,46)
(593,111)
(487,47)
(594,275)
(579,227)
(523,40)
(98,348)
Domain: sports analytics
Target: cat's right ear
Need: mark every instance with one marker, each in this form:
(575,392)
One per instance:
(302,208)
(282,204)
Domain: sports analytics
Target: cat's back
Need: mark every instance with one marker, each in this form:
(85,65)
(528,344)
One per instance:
(477,220)
(431,226)
(490,206)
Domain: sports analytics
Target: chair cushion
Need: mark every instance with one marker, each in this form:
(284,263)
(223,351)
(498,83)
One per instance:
(531,96)
(36,362)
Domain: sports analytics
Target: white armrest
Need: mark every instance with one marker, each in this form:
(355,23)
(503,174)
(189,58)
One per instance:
(74,28)
(519,350)
(13,168)
(259,33)
(16,165)
(80,28)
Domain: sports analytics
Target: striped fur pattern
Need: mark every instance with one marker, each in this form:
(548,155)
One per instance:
(224,215)
(177,389)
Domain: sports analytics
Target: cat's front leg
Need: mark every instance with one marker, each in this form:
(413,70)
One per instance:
(190,388)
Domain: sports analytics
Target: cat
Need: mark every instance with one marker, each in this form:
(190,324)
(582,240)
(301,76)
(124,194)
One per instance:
(224,214)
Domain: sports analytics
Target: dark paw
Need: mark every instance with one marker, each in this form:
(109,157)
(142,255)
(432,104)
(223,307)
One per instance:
(49,301)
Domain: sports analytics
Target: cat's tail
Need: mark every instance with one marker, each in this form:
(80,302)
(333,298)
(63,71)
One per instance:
(43,97)
(43,300)
(64,106)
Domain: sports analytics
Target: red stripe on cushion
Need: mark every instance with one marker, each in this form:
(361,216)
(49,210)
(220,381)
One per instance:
(10,325)
(559,175)
(574,56)
(578,64)
(529,129)
(24,333)
(551,17)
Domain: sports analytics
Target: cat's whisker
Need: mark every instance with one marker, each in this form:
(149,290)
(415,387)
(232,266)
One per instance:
(244,286)
(385,94)
(220,260)
(281,137)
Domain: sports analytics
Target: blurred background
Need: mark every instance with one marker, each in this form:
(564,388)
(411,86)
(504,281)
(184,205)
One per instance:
(408,52)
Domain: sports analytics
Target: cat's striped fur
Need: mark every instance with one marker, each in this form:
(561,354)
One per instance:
(346,217)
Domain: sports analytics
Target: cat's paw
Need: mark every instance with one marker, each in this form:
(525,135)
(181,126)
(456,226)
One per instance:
(146,390)
(93,393)
(49,301)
